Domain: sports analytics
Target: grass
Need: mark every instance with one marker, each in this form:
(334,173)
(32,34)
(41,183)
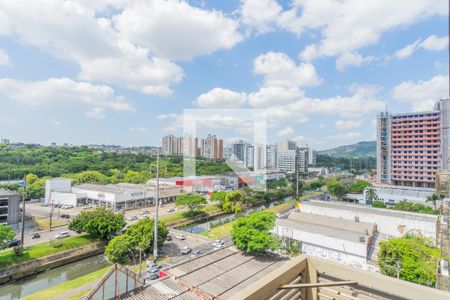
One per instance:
(43,223)
(8,258)
(172,218)
(67,286)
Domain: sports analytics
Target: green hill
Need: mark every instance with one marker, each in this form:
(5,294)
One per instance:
(360,149)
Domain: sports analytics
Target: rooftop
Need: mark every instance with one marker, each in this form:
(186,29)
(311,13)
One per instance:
(359,208)
(5,192)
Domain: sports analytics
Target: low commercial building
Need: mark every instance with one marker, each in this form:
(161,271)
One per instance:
(394,194)
(389,222)
(345,241)
(9,207)
(121,196)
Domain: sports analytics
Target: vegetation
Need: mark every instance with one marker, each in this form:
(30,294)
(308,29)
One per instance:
(410,258)
(434,198)
(100,223)
(414,207)
(337,189)
(251,234)
(358,186)
(194,204)
(292,248)
(378,204)
(371,194)
(236,202)
(138,236)
(356,165)
(68,286)
(6,234)
(9,257)
(219,197)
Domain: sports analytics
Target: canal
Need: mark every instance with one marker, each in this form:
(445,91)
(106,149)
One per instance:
(32,284)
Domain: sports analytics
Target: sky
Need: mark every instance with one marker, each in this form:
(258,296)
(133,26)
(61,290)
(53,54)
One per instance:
(123,71)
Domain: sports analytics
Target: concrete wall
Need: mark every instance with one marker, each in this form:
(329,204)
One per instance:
(333,255)
(57,185)
(395,225)
(64,198)
(49,262)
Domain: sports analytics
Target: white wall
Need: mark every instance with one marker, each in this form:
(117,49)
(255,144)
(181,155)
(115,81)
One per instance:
(64,198)
(57,185)
(396,226)
(333,255)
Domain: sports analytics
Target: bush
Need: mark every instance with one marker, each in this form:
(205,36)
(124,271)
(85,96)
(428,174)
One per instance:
(413,255)
(358,186)
(378,204)
(415,207)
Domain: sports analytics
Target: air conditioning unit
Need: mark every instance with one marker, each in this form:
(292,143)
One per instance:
(356,218)
(362,239)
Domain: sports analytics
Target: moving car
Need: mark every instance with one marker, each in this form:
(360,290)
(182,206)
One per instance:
(62,235)
(131,218)
(169,238)
(218,243)
(145,212)
(185,250)
(196,253)
(170,210)
(180,237)
(65,216)
(36,236)
(14,243)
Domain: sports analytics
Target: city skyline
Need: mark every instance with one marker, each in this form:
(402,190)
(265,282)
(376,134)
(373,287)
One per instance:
(320,82)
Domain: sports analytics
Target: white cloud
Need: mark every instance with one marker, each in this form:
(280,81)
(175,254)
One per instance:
(407,51)
(349,25)
(348,124)
(260,14)
(221,98)
(422,94)
(351,59)
(64,91)
(274,95)
(96,113)
(435,43)
(176,30)
(55,122)
(431,43)
(4,58)
(138,129)
(285,131)
(71,31)
(279,69)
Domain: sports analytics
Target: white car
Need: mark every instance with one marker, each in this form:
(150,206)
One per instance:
(170,210)
(62,235)
(180,236)
(185,250)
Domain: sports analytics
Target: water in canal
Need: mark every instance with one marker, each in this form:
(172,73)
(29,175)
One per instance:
(205,226)
(32,284)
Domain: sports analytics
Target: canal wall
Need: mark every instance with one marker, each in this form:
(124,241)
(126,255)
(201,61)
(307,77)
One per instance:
(28,268)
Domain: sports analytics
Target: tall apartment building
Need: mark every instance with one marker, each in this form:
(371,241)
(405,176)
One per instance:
(239,149)
(211,148)
(312,157)
(413,147)
(169,145)
(250,156)
(286,160)
(260,157)
(302,159)
(271,156)
(190,146)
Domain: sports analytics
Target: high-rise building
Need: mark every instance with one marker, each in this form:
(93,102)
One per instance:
(286,160)
(169,145)
(260,157)
(312,157)
(286,145)
(413,147)
(271,156)
(240,150)
(211,148)
(250,156)
(302,159)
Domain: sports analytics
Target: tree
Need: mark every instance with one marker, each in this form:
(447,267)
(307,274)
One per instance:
(101,223)
(434,198)
(138,236)
(6,234)
(410,258)
(371,194)
(134,177)
(219,197)
(358,186)
(337,189)
(191,202)
(251,233)
(234,202)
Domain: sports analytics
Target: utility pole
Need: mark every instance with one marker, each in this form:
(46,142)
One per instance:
(24,196)
(296,172)
(51,212)
(155,237)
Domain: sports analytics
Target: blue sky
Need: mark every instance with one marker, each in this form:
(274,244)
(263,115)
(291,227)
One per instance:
(122,72)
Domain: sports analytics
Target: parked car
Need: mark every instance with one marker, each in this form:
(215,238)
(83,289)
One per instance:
(185,250)
(152,276)
(145,212)
(169,238)
(67,206)
(170,210)
(14,243)
(180,237)
(65,216)
(62,235)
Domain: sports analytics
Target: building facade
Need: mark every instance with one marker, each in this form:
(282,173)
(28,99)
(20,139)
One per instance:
(211,148)
(413,147)
(9,207)
(271,156)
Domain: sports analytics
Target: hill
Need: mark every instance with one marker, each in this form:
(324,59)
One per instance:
(360,149)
